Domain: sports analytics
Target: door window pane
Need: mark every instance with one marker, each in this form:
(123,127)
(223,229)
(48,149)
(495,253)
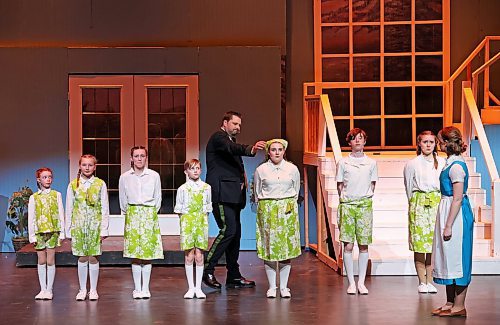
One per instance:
(398,132)
(167,139)
(335,69)
(372,129)
(365,10)
(429,38)
(101,135)
(428,10)
(366,68)
(397,68)
(433,124)
(397,38)
(429,100)
(366,101)
(339,101)
(397,100)
(366,39)
(334,11)
(428,67)
(335,40)
(397,10)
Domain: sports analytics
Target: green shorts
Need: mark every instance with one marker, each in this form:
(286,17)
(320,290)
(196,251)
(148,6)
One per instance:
(356,221)
(47,240)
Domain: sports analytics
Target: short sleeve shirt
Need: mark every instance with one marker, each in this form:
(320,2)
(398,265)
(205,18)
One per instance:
(357,174)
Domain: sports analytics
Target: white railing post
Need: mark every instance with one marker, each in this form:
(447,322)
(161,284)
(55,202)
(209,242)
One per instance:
(495,217)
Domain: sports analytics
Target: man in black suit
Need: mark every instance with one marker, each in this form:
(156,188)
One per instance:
(226,176)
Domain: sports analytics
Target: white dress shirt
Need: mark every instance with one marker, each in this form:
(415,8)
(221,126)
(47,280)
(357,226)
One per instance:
(182,198)
(140,189)
(276,181)
(32,229)
(357,174)
(420,174)
(70,201)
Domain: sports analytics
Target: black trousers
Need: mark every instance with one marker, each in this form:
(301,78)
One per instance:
(227,217)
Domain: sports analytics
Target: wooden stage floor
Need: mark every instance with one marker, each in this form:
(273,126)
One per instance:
(318,298)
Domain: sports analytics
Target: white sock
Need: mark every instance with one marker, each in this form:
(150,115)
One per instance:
(82,274)
(284,274)
(189,275)
(199,276)
(42,276)
(362,266)
(136,274)
(271,273)
(146,275)
(94,276)
(349,267)
(51,274)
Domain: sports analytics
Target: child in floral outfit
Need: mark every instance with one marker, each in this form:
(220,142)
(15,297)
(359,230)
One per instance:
(87,212)
(193,203)
(45,229)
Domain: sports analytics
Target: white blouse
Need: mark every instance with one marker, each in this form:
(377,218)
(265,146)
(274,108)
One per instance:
(31,215)
(143,189)
(457,173)
(357,174)
(420,174)
(182,198)
(70,201)
(276,181)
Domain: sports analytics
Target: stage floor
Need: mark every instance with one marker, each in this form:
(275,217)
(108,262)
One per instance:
(318,297)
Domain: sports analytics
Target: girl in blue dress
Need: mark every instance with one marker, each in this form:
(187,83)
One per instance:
(452,248)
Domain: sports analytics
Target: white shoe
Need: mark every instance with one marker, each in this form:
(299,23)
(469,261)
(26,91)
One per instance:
(48,295)
(271,293)
(189,294)
(93,295)
(422,288)
(40,295)
(81,295)
(146,294)
(137,294)
(285,293)
(431,288)
(362,289)
(352,289)
(200,294)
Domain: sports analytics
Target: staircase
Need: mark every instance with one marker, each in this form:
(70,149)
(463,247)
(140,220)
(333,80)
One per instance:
(389,253)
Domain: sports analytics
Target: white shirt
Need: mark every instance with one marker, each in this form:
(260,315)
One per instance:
(276,181)
(420,174)
(182,199)
(70,201)
(357,174)
(31,215)
(143,189)
(457,173)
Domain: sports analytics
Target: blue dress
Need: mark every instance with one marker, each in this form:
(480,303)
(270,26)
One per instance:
(452,259)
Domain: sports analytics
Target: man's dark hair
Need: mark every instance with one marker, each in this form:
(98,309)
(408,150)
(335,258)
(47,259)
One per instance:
(229,115)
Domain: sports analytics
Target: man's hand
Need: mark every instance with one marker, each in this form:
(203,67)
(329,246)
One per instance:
(259,145)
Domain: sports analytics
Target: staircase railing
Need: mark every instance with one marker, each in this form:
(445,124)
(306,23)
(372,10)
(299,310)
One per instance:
(471,125)
(318,124)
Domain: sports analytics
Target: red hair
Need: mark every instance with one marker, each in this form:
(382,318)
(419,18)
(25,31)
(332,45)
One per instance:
(39,172)
(191,163)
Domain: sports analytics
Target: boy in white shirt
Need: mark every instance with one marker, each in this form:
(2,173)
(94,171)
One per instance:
(356,178)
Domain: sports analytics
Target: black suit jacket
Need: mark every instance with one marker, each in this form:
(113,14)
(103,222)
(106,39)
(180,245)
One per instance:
(225,170)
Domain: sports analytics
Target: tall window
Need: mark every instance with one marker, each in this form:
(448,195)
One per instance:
(110,114)
(382,63)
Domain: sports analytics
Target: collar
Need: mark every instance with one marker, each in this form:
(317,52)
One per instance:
(279,166)
(190,182)
(45,191)
(451,159)
(357,160)
(90,180)
(146,171)
(233,139)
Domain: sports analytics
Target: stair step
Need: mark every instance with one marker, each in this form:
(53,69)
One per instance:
(485,213)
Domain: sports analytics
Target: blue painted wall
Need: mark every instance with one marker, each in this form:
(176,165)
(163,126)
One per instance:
(493,134)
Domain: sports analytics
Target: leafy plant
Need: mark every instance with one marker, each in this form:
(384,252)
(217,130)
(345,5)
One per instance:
(17,213)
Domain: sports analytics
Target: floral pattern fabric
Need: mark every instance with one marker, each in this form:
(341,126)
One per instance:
(194,223)
(86,219)
(46,212)
(356,221)
(142,238)
(421,220)
(278,230)
(47,240)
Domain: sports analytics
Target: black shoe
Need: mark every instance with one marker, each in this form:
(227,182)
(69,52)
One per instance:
(240,283)
(211,281)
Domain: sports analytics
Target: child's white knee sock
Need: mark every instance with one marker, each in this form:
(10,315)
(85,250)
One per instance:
(189,275)
(51,274)
(270,268)
(146,275)
(136,274)
(94,276)
(82,274)
(42,276)
(349,267)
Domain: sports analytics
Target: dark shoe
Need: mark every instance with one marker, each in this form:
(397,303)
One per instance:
(240,283)
(211,281)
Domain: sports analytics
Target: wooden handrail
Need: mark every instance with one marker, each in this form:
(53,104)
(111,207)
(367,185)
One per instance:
(485,66)
(330,125)
(468,60)
(481,134)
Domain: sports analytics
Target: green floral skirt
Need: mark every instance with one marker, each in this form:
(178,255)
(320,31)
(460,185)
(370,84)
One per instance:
(278,229)
(142,238)
(421,220)
(85,233)
(47,240)
(194,231)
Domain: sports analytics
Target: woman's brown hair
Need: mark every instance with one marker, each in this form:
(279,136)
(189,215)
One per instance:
(453,140)
(134,148)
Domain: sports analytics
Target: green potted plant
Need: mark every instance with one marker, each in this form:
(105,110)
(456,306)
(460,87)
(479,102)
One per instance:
(17,217)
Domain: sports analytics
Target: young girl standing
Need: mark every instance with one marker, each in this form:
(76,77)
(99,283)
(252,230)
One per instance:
(421,178)
(356,178)
(45,229)
(87,215)
(140,201)
(193,203)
